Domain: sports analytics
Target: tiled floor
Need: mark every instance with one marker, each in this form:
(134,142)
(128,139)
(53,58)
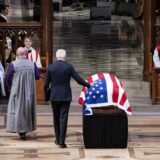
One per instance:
(143,142)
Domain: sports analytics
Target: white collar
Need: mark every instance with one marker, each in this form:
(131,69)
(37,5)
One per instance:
(28,48)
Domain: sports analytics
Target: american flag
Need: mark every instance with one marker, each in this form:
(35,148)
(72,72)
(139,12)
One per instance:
(105,90)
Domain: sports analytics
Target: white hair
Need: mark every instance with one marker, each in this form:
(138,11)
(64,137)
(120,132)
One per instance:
(20,53)
(61,54)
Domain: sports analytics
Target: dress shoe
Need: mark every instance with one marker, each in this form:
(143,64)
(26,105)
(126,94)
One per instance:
(56,142)
(62,145)
(22,136)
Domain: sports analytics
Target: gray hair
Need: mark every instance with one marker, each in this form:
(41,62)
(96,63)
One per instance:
(61,54)
(21,53)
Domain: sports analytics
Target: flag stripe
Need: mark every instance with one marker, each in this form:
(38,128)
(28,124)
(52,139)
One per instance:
(80,101)
(84,89)
(100,75)
(123,99)
(129,109)
(94,77)
(109,86)
(90,80)
(115,89)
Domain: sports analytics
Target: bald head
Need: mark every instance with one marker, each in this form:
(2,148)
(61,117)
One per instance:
(61,54)
(21,53)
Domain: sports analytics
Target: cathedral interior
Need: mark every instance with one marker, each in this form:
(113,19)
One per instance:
(96,42)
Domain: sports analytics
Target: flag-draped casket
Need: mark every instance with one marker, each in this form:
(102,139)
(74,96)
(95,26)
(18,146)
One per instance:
(106,90)
(106,129)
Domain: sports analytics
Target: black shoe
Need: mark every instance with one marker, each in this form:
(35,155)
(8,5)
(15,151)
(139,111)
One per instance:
(22,136)
(62,145)
(56,142)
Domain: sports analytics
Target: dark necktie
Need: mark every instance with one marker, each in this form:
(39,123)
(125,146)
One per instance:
(29,51)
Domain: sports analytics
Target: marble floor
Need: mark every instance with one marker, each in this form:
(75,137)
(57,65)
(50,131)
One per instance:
(143,142)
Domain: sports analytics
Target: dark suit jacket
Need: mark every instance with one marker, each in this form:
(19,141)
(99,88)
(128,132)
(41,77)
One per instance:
(2,19)
(58,76)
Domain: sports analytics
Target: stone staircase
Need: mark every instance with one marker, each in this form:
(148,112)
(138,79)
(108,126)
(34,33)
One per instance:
(100,46)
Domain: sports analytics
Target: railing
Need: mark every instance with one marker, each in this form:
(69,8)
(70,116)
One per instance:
(17,32)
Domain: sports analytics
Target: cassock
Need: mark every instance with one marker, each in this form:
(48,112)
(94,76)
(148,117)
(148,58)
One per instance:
(20,81)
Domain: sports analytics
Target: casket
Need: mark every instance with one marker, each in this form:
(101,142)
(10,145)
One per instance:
(105,108)
(106,128)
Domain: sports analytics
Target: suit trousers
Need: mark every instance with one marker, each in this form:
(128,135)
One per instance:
(60,119)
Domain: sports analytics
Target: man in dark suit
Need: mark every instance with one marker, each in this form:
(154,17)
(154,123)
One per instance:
(4,9)
(58,78)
